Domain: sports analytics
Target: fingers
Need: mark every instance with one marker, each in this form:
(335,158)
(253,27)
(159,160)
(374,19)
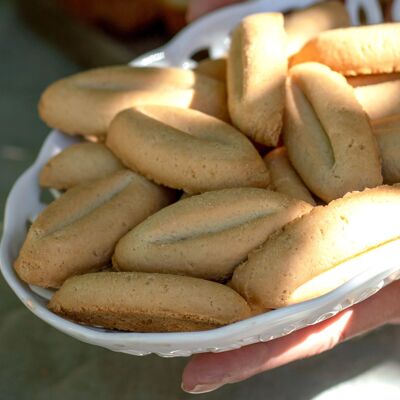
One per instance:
(198,8)
(209,371)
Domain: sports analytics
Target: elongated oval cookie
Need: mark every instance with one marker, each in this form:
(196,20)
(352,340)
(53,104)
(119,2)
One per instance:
(206,235)
(284,178)
(357,50)
(79,163)
(185,149)
(322,249)
(77,233)
(327,133)
(256,73)
(85,103)
(141,302)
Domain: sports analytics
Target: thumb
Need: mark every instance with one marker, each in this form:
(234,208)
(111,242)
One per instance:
(209,371)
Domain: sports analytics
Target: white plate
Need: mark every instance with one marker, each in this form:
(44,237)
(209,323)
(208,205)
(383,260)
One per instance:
(23,203)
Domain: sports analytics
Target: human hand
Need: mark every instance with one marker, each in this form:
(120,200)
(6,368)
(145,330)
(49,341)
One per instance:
(209,371)
(198,8)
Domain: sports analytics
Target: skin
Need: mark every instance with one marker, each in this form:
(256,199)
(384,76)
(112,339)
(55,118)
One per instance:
(209,371)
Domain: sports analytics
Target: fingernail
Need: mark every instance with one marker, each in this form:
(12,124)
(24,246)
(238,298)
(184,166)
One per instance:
(201,388)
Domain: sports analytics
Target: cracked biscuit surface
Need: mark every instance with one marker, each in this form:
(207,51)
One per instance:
(206,235)
(327,134)
(77,233)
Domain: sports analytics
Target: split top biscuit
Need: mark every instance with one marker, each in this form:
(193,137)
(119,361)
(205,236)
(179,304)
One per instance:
(206,235)
(185,149)
(85,103)
(77,233)
(327,133)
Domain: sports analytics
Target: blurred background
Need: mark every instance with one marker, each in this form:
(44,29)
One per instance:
(44,40)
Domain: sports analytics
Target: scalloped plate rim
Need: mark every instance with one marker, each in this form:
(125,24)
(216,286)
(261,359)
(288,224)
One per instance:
(181,343)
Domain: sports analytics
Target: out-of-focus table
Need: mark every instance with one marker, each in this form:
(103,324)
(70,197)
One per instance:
(37,362)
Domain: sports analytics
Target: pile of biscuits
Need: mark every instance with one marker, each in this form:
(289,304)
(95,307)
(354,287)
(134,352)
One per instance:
(200,198)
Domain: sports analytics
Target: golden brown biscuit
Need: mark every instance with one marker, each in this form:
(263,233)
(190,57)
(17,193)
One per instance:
(78,164)
(327,133)
(320,250)
(141,302)
(185,149)
(77,233)
(213,68)
(284,178)
(207,235)
(388,138)
(86,103)
(303,25)
(372,49)
(378,94)
(256,72)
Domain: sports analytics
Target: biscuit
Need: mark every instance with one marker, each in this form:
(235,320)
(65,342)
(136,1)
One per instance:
(388,138)
(378,94)
(77,233)
(256,73)
(213,68)
(303,25)
(360,50)
(185,149)
(284,178)
(78,164)
(86,103)
(141,302)
(327,134)
(322,249)
(207,235)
